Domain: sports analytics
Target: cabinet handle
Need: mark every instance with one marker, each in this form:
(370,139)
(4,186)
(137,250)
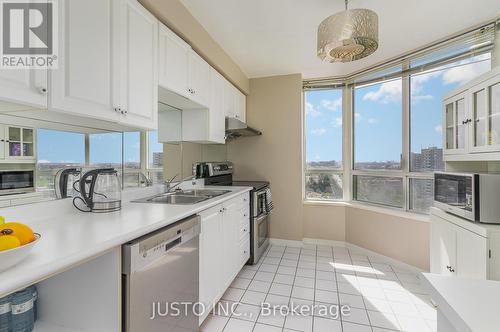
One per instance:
(43,90)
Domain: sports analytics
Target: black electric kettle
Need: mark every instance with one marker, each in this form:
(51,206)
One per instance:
(100,191)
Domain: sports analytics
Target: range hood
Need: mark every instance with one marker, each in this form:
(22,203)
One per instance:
(236,128)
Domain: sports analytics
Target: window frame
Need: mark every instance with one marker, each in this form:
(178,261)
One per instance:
(338,171)
(348,170)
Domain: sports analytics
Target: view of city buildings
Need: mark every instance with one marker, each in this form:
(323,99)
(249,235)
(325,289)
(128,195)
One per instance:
(324,181)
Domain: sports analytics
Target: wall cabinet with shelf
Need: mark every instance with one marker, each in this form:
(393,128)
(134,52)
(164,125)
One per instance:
(17,144)
(471,120)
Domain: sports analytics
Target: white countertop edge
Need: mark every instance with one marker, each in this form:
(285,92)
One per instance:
(17,277)
(470,305)
(452,316)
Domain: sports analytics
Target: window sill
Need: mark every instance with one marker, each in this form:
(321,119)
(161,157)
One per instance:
(368,207)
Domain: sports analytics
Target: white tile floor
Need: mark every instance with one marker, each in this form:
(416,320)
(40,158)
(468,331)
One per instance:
(382,297)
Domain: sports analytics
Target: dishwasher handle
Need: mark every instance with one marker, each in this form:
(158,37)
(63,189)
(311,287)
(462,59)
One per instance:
(140,253)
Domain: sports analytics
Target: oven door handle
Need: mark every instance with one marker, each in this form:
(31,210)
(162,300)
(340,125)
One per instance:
(261,216)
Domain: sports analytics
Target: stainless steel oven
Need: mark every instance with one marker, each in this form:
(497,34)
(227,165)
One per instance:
(259,231)
(472,196)
(16,182)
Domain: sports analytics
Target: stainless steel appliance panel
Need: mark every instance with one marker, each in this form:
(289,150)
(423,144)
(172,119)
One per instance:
(472,196)
(162,268)
(16,182)
(260,237)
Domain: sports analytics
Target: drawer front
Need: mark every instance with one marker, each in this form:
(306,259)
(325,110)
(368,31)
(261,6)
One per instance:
(244,233)
(245,251)
(240,201)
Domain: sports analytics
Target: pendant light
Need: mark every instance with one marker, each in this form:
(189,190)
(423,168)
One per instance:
(347,36)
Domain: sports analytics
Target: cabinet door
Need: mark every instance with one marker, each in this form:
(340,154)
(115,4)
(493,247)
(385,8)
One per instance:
(199,79)
(472,255)
(85,82)
(443,247)
(139,77)
(229,100)
(216,116)
(240,106)
(456,124)
(211,251)
(24,86)
(173,62)
(231,225)
(3,144)
(485,105)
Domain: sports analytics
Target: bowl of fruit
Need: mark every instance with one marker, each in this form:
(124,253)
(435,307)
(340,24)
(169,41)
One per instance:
(16,242)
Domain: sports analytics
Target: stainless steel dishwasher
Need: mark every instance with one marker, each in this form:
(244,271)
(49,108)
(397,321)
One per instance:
(160,273)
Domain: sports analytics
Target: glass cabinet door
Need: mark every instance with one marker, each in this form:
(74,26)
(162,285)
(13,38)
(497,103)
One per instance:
(14,140)
(460,124)
(494,115)
(20,142)
(449,127)
(479,110)
(28,142)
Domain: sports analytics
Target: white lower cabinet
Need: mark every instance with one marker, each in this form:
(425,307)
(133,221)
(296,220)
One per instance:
(463,252)
(224,248)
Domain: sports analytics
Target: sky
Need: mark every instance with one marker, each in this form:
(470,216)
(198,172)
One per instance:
(378,115)
(67,147)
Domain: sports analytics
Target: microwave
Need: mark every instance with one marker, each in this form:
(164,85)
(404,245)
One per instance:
(16,182)
(473,196)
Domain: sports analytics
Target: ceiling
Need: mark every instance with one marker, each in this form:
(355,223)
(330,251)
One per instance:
(274,37)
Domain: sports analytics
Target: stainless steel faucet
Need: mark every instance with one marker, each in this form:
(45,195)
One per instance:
(145,179)
(168,183)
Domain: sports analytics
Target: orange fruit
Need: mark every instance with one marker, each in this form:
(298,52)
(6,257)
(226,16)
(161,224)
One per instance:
(21,231)
(9,242)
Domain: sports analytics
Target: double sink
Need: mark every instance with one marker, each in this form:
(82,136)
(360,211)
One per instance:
(183,197)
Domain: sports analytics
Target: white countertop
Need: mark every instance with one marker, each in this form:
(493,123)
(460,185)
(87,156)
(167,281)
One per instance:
(471,305)
(70,237)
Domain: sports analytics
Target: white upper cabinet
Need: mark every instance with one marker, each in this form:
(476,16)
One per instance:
(24,86)
(138,70)
(182,71)
(471,120)
(173,62)
(241,106)
(234,103)
(199,79)
(107,68)
(217,121)
(86,82)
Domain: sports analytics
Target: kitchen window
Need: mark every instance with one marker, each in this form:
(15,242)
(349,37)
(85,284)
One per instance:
(55,150)
(323,145)
(393,135)
(378,126)
(154,157)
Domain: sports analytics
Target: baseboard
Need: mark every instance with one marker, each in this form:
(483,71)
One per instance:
(321,242)
(393,261)
(294,243)
(283,242)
